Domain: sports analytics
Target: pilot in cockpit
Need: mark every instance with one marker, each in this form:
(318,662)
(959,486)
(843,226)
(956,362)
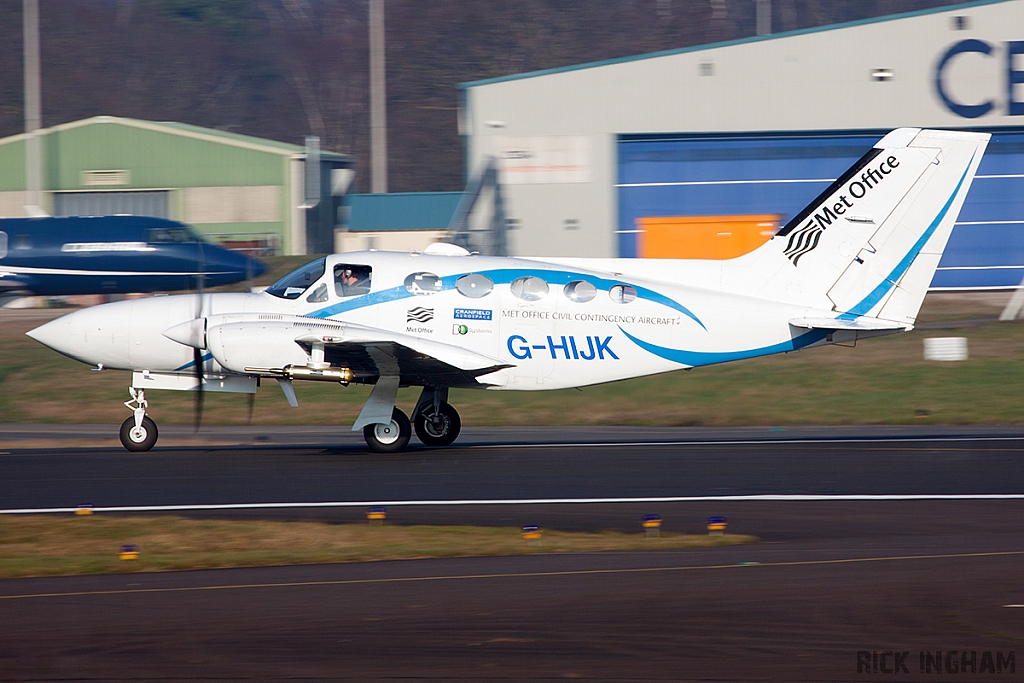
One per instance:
(352,280)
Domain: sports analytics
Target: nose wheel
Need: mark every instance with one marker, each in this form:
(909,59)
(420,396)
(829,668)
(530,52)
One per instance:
(138,437)
(391,437)
(138,432)
(438,427)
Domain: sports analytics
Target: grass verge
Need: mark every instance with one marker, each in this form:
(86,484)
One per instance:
(42,545)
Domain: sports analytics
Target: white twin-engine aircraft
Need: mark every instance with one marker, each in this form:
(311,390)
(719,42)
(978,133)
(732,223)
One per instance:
(854,264)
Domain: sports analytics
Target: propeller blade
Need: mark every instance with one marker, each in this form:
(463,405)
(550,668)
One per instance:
(200,278)
(197,354)
(197,357)
(252,405)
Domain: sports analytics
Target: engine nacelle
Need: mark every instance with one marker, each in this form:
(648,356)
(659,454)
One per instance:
(270,344)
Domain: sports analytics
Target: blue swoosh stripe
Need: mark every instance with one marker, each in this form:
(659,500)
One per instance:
(698,358)
(192,363)
(383,296)
(505,276)
(876,295)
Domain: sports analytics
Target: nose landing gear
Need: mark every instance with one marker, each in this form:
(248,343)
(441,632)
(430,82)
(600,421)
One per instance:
(138,432)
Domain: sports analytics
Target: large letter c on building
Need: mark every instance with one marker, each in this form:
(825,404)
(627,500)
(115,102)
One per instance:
(968,111)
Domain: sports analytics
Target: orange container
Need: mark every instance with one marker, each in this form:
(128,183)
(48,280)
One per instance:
(703,237)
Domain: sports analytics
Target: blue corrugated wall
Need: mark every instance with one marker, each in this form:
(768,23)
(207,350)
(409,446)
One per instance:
(401,210)
(780,174)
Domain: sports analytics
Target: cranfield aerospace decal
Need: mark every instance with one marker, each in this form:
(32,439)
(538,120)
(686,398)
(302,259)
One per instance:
(473,314)
(804,240)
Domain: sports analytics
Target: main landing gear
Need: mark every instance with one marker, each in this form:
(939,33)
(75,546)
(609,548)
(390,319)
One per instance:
(138,432)
(437,424)
(391,437)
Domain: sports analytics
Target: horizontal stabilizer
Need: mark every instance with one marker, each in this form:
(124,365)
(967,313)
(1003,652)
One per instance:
(862,323)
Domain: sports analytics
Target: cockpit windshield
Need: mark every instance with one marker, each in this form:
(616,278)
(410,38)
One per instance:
(292,285)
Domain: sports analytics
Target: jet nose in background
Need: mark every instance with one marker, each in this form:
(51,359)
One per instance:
(255,267)
(225,267)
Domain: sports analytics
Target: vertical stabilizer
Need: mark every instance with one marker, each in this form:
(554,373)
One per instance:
(872,240)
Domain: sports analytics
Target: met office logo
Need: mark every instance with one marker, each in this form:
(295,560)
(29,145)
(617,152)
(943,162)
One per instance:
(419,315)
(936,662)
(805,239)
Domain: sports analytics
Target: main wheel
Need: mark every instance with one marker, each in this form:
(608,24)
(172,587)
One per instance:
(440,428)
(139,438)
(391,437)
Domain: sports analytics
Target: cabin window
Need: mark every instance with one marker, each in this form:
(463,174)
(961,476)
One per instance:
(529,288)
(351,280)
(170,236)
(474,285)
(22,241)
(423,283)
(622,294)
(319,294)
(292,285)
(580,291)
(3,244)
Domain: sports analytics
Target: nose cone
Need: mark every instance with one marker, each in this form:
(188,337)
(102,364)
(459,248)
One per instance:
(96,335)
(54,334)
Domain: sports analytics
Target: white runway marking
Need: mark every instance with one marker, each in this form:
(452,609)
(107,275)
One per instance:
(757,442)
(769,497)
(742,566)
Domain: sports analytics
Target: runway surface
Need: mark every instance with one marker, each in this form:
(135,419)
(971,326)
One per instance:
(831,578)
(573,466)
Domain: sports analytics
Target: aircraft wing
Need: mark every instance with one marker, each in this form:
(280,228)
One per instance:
(370,352)
(13,286)
(861,324)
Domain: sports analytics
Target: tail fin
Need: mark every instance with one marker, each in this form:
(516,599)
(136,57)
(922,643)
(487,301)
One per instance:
(871,242)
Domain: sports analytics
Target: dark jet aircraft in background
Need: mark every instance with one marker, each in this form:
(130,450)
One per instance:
(111,255)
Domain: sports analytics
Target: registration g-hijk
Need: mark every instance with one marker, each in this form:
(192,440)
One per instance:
(855,263)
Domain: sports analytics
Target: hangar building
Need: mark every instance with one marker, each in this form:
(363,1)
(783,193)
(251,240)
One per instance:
(705,152)
(238,190)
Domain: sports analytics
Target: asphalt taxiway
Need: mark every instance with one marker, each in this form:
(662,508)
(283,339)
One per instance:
(897,540)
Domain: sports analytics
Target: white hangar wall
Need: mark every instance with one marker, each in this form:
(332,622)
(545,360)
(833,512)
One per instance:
(586,152)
